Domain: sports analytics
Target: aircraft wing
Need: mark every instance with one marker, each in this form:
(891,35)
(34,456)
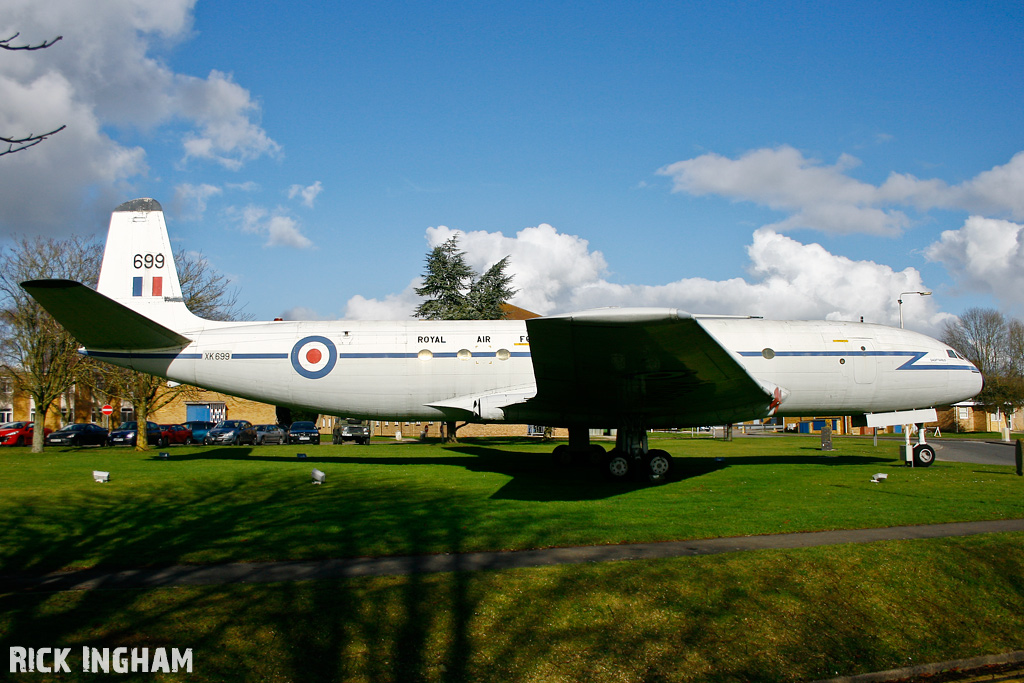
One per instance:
(98,322)
(659,366)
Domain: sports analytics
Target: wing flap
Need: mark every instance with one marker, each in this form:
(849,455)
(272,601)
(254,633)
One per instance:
(99,322)
(659,365)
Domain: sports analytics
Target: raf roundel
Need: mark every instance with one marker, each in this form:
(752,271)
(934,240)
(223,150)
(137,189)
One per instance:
(314,357)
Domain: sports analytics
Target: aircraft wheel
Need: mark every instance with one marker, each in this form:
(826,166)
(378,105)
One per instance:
(597,454)
(659,466)
(617,465)
(924,455)
(561,455)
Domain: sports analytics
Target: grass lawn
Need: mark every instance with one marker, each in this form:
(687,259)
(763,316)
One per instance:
(771,615)
(206,504)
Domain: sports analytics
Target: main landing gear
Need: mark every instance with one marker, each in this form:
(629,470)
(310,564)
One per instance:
(631,458)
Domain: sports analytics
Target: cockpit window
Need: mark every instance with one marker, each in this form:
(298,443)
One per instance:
(951,353)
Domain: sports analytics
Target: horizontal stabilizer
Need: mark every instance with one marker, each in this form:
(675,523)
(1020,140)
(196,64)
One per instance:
(99,322)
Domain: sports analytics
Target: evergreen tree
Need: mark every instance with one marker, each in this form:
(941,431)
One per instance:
(455,292)
(490,291)
(445,283)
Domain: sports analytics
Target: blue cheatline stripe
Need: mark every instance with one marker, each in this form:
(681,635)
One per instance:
(283,356)
(912,356)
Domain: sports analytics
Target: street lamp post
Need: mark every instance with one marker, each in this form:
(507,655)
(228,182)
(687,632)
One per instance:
(900,302)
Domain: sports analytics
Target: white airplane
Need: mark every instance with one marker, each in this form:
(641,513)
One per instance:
(632,369)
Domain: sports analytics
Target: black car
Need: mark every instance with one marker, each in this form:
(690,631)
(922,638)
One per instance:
(231,432)
(269,434)
(125,434)
(303,432)
(199,429)
(78,435)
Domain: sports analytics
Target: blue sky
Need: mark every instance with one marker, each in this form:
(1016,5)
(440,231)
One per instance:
(801,160)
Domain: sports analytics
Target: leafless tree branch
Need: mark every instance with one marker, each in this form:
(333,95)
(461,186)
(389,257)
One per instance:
(18,144)
(6,43)
(26,142)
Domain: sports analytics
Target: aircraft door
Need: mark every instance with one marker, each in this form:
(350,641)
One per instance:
(865,362)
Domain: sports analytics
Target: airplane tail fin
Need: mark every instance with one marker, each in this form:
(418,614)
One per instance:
(138,268)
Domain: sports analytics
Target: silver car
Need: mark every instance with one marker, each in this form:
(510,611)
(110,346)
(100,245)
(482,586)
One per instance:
(269,434)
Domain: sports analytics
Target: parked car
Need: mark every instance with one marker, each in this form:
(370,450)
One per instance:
(87,434)
(178,434)
(18,433)
(231,432)
(303,432)
(351,430)
(125,435)
(269,434)
(199,429)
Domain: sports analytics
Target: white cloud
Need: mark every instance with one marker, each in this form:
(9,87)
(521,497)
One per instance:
(304,313)
(547,264)
(557,273)
(280,229)
(392,307)
(105,74)
(190,200)
(283,231)
(308,194)
(986,255)
(223,111)
(827,198)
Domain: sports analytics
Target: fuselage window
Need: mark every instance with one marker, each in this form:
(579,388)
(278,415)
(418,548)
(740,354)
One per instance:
(464,354)
(503,354)
(768,353)
(425,354)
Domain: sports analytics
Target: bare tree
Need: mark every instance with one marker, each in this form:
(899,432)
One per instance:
(996,346)
(40,356)
(979,334)
(17,144)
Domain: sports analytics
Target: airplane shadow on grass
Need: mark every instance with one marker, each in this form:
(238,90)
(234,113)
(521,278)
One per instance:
(533,476)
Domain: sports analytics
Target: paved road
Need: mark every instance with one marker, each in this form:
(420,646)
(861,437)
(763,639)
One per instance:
(977,452)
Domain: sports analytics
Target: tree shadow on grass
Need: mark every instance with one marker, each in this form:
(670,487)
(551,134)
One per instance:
(534,477)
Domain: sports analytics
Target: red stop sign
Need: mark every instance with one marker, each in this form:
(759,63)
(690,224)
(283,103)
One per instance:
(107,410)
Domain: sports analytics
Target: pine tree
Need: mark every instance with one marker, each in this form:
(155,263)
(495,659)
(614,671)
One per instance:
(445,283)
(490,291)
(455,292)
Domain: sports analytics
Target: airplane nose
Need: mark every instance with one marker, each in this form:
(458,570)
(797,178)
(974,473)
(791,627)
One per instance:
(972,384)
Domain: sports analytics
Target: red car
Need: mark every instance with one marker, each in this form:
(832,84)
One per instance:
(18,433)
(179,434)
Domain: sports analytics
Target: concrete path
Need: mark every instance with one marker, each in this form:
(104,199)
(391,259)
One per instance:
(305,570)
